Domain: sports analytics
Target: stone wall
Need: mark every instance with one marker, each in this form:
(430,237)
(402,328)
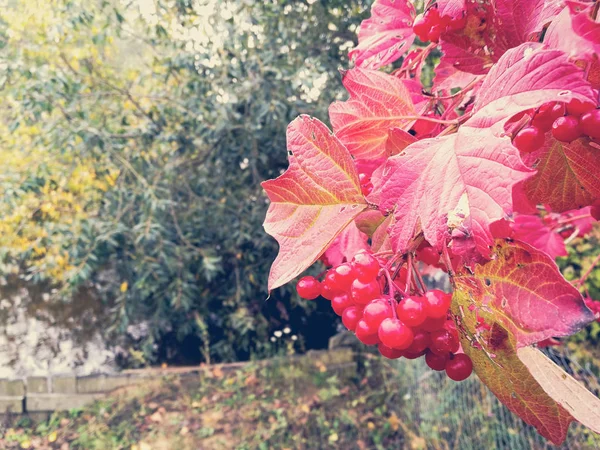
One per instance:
(40,395)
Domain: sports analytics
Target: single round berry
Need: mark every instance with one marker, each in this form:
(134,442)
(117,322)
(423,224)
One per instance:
(389,353)
(327,292)
(436,362)
(345,274)
(308,288)
(395,334)
(428,255)
(577,107)
(566,129)
(421,27)
(438,303)
(366,266)
(366,188)
(459,367)
(376,312)
(340,302)
(443,342)
(351,316)
(590,123)
(529,139)
(331,284)
(364,292)
(365,334)
(412,311)
(420,342)
(432,324)
(435,33)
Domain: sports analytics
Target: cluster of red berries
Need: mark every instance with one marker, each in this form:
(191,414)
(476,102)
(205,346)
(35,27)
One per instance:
(366,186)
(430,25)
(567,122)
(413,327)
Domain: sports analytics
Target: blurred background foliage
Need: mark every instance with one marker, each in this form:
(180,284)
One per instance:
(134,136)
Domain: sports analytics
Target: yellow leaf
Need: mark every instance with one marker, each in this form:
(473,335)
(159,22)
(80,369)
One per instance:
(124,286)
(52,437)
(394,421)
(370,425)
(333,437)
(26,443)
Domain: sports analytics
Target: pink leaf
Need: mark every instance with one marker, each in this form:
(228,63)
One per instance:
(465,181)
(562,36)
(386,36)
(378,102)
(346,245)
(533,231)
(313,201)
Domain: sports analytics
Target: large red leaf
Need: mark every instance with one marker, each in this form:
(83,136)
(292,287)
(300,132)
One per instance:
(525,291)
(313,201)
(516,299)
(567,174)
(471,174)
(534,231)
(378,103)
(497,365)
(386,35)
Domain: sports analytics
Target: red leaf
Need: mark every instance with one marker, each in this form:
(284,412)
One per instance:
(494,354)
(398,140)
(533,230)
(567,174)
(520,20)
(386,36)
(469,176)
(313,201)
(378,103)
(526,292)
(520,297)
(346,245)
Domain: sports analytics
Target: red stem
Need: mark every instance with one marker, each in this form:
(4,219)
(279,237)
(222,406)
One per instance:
(409,269)
(391,291)
(420,278)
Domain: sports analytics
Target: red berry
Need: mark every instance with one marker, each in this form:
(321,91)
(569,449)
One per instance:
(577,107)
(389,353)
(344,276)
(432,16)
(412,311)
(547,114)
(376,311)
(590,123)
(366,188)
(395,334)
(340,302)
(436,362)
(421,28)
(308,288)
(435,33)
(365,334)
(366,266)
(438,303)
(428,255)
(529,139)
(432,324)
(443,342)
(566,129)
(459,367)
(351,316)
(420,342)
(457,23)
(329,286)
(363,293)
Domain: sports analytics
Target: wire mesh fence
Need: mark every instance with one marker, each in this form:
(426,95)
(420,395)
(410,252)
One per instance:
(467,416)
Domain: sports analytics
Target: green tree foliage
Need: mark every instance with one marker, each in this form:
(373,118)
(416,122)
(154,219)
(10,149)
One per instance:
(133,143)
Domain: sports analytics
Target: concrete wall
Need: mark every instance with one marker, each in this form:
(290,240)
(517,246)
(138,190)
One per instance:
(42,395)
